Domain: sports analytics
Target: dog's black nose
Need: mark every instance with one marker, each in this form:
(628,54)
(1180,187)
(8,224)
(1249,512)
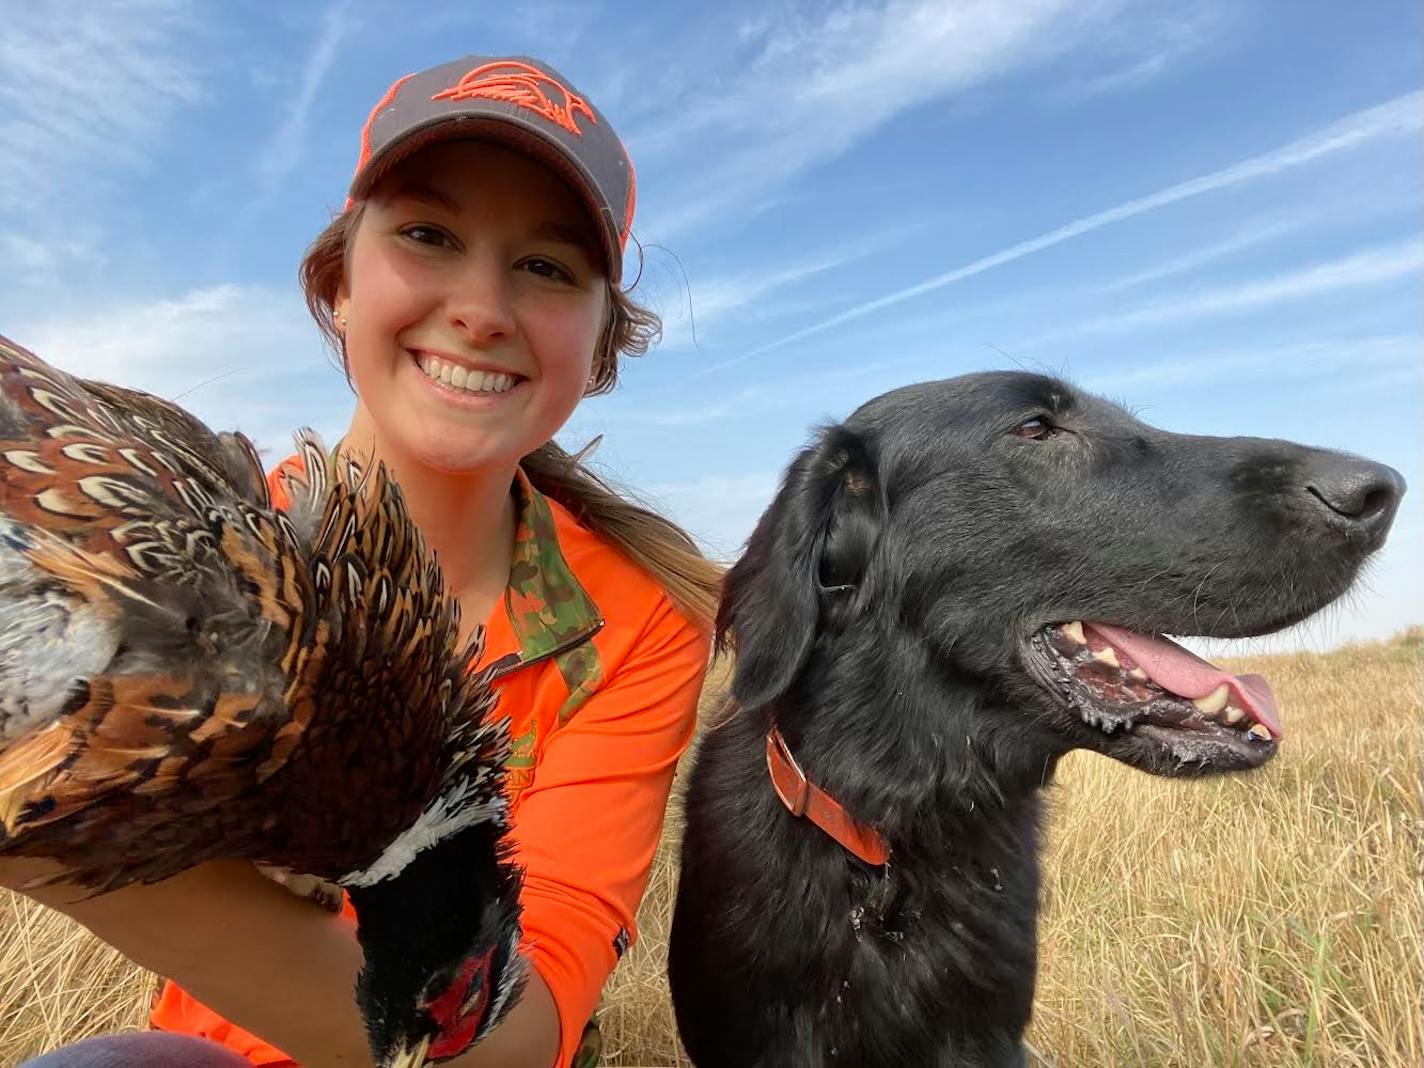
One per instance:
(1361,493)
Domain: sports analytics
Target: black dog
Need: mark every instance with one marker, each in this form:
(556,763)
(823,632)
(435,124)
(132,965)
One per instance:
(915,624)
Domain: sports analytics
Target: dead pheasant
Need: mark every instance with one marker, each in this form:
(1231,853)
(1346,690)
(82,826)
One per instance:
(187,674)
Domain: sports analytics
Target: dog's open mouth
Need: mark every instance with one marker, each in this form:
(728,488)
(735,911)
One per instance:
(1124,682)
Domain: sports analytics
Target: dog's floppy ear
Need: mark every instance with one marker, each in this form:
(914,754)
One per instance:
(802,566)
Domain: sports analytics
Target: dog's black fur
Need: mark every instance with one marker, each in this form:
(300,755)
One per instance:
(888,616)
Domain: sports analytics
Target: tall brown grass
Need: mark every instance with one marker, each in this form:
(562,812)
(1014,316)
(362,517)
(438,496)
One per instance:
(1271,919)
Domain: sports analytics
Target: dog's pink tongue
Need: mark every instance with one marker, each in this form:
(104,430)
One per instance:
(1188,675)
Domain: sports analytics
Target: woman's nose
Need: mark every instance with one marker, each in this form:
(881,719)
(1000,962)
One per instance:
(479,302)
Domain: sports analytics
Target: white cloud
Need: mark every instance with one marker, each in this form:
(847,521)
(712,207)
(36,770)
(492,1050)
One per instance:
(1388,354)
(284,149)
(168,344)
(1200,257)
(545,27)
(1398,117)
(1370,267)
(705,301)
(1151,45)
(822,83)
(30,262)
(747,402)
(86,88)
(238,357)
(711,300)
(825,389)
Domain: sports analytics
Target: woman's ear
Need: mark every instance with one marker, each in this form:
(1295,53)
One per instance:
(341,306)
(803,563)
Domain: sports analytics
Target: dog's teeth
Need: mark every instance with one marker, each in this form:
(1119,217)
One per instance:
(1074,632)
(1138,674)
(1233,715)
(1213,702)
(1258,732)
(1108,656)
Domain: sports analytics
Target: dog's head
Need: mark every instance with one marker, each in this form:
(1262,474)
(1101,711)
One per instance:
(1010,530)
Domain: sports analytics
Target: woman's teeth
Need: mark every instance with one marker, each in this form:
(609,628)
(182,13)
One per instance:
(453,374)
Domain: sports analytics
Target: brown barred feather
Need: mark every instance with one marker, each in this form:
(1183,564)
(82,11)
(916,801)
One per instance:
(186,674)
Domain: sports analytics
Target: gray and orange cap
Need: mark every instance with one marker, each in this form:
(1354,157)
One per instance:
(517,101)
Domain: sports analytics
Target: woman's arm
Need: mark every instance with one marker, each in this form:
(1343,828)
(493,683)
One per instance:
(589,823)
(271,962)
(285,970)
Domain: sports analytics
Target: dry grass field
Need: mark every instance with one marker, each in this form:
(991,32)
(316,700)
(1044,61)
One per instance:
(1267,920)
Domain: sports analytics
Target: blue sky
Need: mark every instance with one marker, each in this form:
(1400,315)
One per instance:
(1209,210)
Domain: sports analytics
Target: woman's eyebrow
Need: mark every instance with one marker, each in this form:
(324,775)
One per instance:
(566,234)
(427,194)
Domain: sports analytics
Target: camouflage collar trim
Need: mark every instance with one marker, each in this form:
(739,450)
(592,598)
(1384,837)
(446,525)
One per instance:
(549,610)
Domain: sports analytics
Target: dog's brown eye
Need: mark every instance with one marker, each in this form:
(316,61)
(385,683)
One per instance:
(1036,429)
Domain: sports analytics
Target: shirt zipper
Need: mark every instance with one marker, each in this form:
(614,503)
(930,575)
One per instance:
(511,662)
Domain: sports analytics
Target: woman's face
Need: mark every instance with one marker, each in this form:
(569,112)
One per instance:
(474,298)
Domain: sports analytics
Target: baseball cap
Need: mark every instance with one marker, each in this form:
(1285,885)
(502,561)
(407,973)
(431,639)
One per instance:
(518,101)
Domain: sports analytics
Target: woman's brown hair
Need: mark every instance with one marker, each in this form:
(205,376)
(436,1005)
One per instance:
(654,543)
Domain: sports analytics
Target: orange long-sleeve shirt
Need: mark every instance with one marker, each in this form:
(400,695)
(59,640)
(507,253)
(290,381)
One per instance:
(599,673)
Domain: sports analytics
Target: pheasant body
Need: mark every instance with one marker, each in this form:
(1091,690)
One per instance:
(188,674)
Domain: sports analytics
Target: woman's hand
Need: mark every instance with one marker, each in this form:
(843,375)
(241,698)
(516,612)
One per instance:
(270,961)
(274,963)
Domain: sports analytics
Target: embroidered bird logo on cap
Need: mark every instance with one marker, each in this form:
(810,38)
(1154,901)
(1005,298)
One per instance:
(526,86)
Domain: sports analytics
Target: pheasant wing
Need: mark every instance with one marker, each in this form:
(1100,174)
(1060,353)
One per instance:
(156,614)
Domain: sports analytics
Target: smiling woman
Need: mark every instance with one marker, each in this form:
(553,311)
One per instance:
(472,286)
(468,262)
